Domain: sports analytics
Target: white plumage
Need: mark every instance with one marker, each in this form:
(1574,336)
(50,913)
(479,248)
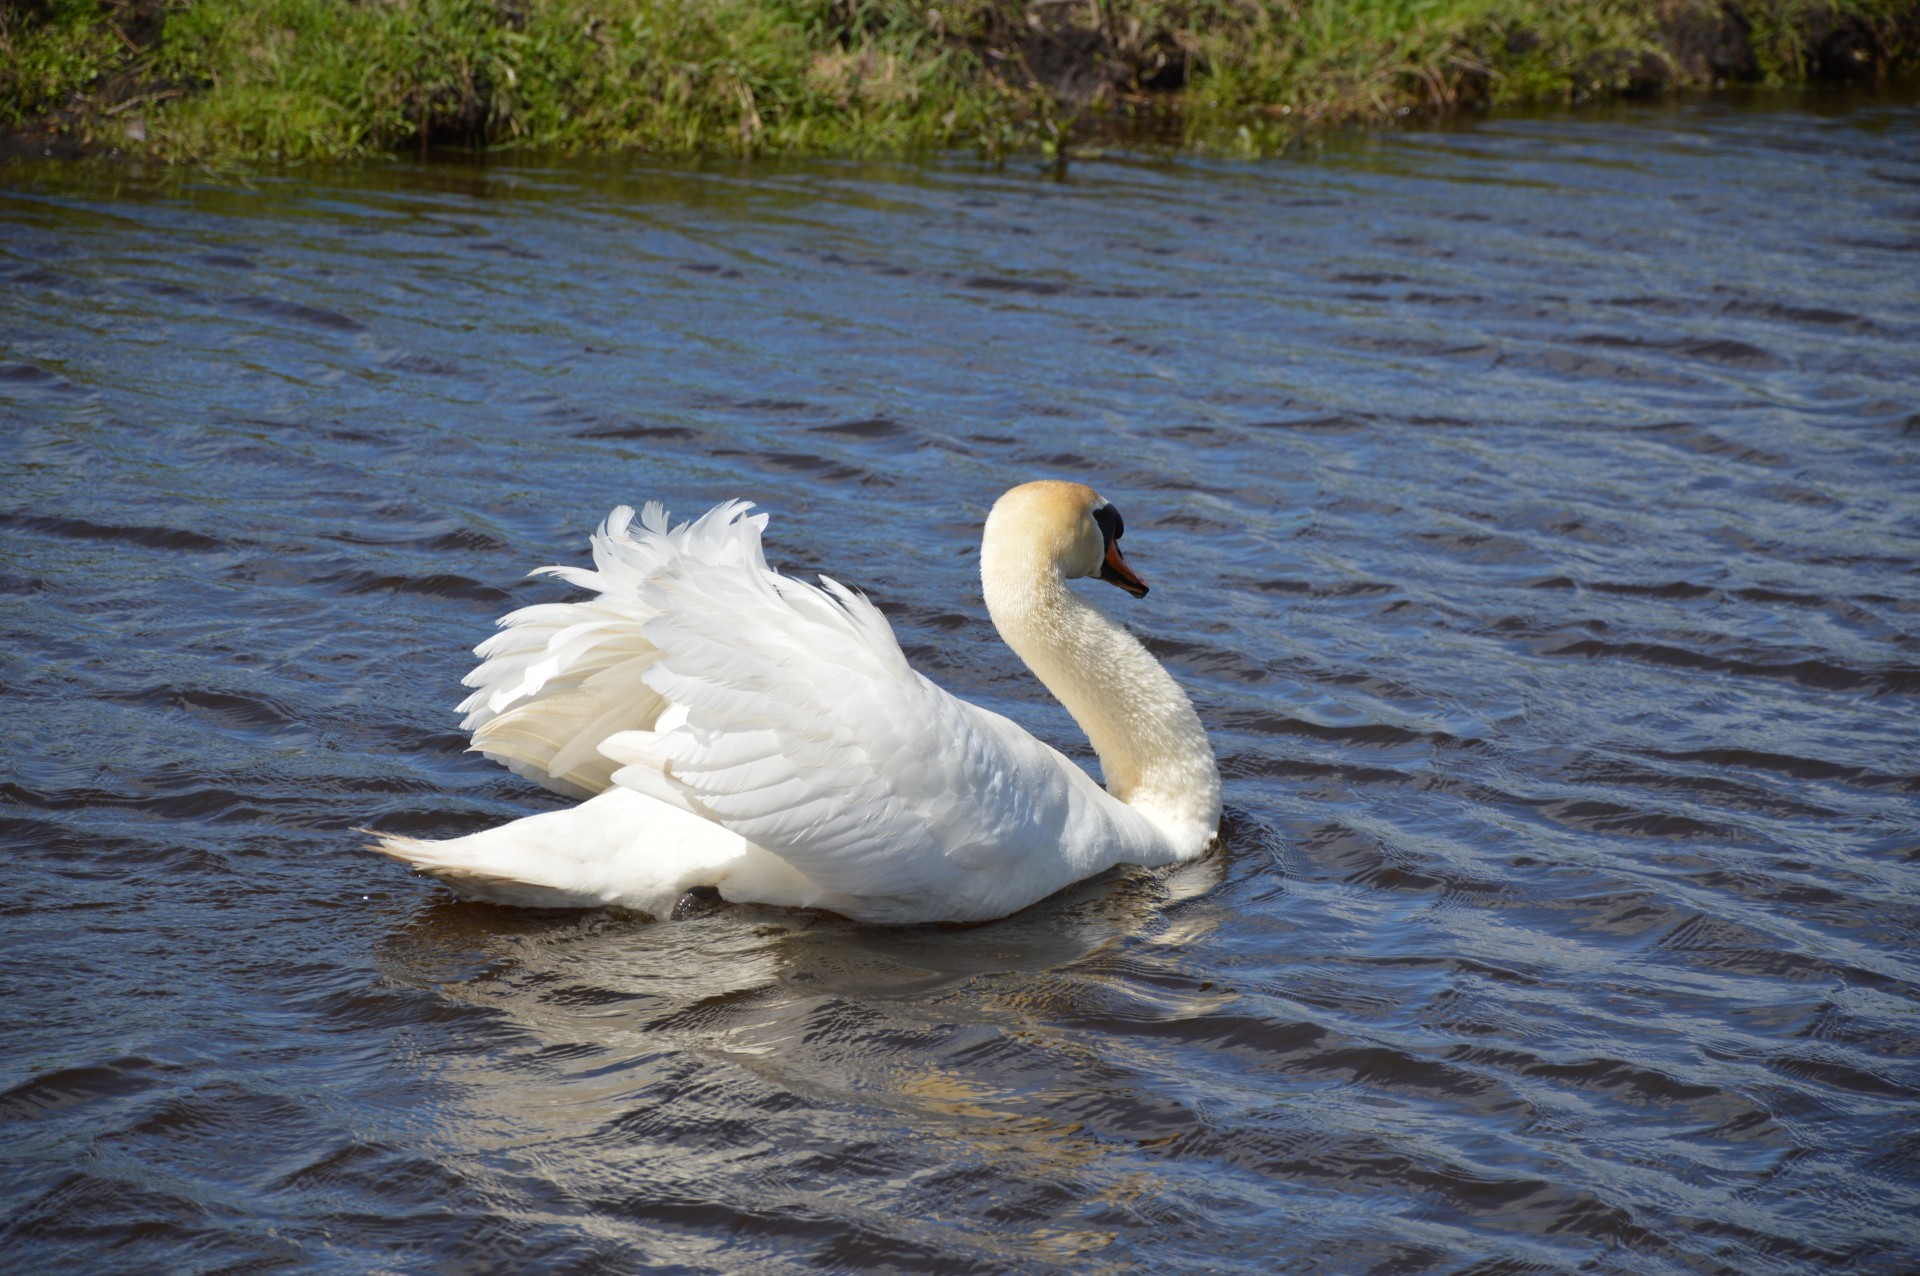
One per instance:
(735,728)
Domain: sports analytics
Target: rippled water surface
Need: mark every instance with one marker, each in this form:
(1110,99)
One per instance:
(1533,510)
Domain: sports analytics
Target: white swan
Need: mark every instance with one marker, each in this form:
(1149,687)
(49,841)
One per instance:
(734,728)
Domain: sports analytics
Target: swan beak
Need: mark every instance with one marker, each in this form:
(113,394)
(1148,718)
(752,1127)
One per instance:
(1116,572)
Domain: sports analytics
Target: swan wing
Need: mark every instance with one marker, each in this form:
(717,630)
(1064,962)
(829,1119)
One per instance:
(559,678)
(797,723)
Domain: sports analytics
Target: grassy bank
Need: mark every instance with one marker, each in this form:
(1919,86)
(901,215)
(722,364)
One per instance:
(250,80)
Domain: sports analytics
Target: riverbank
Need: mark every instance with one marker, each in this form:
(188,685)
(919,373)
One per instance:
(247,81)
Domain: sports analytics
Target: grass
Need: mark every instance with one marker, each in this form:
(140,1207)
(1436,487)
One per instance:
(253,80)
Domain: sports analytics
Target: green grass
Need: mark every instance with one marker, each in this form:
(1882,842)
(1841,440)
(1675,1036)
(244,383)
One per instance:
(252,80)
(52,53)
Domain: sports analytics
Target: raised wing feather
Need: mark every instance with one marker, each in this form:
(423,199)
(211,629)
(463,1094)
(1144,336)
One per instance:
(560,678)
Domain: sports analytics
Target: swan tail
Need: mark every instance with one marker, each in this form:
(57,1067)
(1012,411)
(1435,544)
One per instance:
(558,679)
(619,850)
(445,861)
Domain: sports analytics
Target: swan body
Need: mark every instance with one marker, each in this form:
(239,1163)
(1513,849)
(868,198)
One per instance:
(733,728)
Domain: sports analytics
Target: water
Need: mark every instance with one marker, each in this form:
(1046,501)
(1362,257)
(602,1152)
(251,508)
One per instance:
(1530,508)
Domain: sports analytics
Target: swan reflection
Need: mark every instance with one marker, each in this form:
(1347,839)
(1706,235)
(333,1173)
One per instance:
(754,1059)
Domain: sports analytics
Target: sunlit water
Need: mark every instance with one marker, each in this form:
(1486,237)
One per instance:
(1533,510)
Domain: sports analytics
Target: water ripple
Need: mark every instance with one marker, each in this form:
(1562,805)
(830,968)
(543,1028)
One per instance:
(1532,526)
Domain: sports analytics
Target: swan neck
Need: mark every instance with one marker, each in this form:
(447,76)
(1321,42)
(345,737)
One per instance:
(1154,754)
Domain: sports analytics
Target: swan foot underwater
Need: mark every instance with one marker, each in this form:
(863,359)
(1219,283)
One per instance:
(740,733)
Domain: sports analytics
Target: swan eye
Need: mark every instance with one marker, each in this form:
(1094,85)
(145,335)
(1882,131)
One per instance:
(1112,527)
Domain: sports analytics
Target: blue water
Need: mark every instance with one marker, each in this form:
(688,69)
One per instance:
(1530,508)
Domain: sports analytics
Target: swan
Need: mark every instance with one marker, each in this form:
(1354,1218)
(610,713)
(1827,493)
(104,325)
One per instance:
(736,729)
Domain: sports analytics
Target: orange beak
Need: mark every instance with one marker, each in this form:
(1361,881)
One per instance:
(1116,572)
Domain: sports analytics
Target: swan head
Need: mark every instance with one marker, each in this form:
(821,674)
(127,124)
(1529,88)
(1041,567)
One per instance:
(1067,527)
